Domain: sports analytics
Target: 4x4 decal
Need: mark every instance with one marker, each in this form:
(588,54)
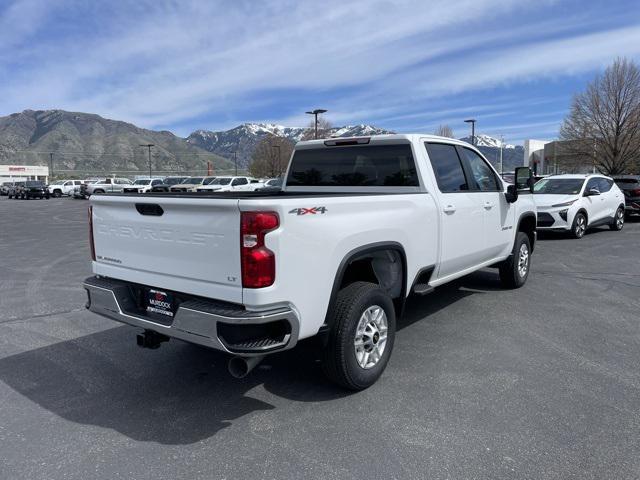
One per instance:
(306,211)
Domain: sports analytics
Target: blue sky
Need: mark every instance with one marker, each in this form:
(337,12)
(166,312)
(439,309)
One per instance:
(403,65)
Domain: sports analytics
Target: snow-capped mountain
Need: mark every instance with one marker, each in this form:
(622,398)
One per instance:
(483,140)
(243,139)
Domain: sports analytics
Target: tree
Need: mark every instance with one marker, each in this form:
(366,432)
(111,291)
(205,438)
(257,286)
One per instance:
(603,124)
(271,156)
(324,129)
(444,131)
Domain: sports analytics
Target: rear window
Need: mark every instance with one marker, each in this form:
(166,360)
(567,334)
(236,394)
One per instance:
(371,165)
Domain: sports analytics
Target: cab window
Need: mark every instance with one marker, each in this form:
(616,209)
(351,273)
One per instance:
(447,167)
(484,178)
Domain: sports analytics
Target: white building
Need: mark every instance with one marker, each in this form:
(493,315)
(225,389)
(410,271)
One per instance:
(534,154)
(10,173)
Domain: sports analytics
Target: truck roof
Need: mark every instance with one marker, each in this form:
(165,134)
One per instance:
(387,138)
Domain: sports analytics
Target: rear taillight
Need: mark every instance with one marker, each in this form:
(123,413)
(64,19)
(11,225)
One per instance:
(91,243)
(258,262)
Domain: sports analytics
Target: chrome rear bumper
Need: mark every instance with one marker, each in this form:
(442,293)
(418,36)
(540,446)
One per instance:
(199,321)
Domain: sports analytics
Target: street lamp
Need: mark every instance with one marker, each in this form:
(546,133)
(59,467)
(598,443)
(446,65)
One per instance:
(472,121)
(148,145)
(315,113)
(235,162)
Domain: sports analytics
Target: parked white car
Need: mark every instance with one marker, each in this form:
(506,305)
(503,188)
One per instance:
(63,187)
(231,184)
(574,203)
(191,184)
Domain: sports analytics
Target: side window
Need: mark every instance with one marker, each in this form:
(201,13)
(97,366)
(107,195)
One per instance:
(484,178)
(447,167)
(66,184)
(155,182)
(604,185)
(240,181)
(592,183)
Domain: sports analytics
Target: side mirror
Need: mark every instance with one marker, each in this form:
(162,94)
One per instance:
(592,192)
(511,194)
(524,179)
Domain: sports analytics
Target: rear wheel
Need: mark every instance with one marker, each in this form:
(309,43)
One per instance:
(362,336)
(57,193)
(618,220)
(579,226)
(515,270)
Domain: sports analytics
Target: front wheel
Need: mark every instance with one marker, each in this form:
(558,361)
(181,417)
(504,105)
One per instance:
(579,226)
(362,336)
(618,220)
(515,270)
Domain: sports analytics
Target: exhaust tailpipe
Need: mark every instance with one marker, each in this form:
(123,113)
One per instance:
(239,367)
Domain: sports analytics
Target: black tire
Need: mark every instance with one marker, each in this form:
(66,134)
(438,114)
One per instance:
(579,225)
(57,193)
(339,361)
(618,220)
(511,273)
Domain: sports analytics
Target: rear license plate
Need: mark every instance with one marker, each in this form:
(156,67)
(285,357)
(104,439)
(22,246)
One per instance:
(160,303)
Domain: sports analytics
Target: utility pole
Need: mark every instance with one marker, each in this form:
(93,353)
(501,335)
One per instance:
(472,121)
(235,162)
(315,113)
(148,145)
(51,164)
(501,147)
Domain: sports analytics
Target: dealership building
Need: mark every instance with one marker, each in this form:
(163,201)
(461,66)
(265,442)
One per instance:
(10,173)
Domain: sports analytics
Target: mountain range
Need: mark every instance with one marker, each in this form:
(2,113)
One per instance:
(89,143)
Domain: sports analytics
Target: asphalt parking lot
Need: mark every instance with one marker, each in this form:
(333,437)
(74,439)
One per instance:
(541,382)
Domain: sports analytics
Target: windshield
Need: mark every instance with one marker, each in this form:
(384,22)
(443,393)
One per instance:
(173,180)
(207,181)
(559,186)
(193,181)
(275,182)
(34,184)
(142,182)
(220,181)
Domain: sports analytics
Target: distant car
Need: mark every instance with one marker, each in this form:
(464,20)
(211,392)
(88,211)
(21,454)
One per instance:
(231,184)
(14,189)
(574,203)
(107,185)
(63,187)
(271,185)
(167,183)
(33,189)
(191,184)
(4,188)
(630,186)
(142,185)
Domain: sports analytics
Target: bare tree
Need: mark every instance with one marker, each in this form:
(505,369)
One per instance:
(271,156)
(324,129)
(444,131)
(603,125)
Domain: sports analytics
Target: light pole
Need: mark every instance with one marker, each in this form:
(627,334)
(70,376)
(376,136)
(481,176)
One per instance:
(315,113)
(148,145)
(235,161)
(501,147)
(472,121)
(51,161)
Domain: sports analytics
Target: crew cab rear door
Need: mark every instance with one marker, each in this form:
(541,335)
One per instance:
(461,212)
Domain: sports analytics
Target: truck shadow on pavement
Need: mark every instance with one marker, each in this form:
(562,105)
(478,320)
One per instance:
(180,393)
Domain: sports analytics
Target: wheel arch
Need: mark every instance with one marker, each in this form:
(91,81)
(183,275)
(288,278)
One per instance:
(528,223)
(358,265)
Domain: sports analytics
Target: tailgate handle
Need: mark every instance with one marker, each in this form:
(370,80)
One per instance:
(149,209)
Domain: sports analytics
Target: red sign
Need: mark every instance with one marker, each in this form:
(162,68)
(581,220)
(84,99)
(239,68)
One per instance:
(17,169)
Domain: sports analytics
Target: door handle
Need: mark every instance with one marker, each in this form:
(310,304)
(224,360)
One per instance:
(449,209)
(488,205)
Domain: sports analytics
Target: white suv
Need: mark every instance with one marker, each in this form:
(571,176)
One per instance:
(108,185)
(576,202)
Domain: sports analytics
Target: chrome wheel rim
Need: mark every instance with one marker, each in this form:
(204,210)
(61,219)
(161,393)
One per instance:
(619,218)
(371,337)
(523,260)
(581,226)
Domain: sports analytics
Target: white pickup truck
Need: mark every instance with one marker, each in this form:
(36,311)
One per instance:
(360,224)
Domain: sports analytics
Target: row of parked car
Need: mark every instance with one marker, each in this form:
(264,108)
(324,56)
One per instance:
(179,184)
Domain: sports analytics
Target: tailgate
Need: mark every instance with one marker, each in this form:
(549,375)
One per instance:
(189,245)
